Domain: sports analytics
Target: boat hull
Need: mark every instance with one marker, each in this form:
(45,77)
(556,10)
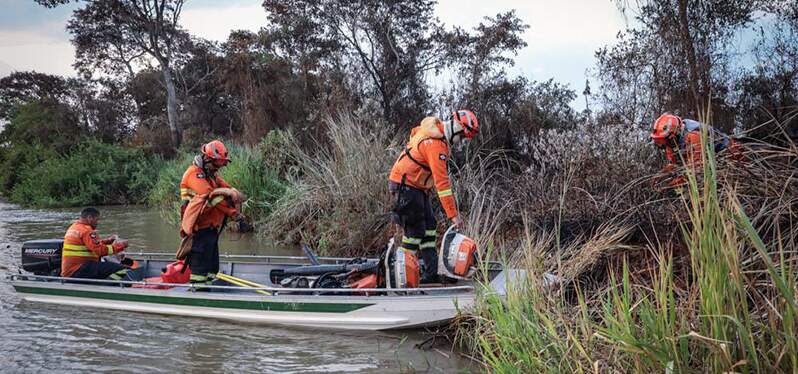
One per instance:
(345,312)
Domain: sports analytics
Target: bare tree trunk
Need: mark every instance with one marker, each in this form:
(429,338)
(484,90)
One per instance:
(171,106)
(689,48)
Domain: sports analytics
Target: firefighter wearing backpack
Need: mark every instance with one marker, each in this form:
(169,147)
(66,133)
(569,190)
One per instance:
(680,141)
(420,168)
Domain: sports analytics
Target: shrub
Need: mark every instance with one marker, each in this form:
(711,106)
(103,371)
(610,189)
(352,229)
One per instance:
(726,304)
(91,173)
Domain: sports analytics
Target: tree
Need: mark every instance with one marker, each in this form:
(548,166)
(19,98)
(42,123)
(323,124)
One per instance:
(392,44)
(114,36)
(678,59)
(29,86)
(768,93)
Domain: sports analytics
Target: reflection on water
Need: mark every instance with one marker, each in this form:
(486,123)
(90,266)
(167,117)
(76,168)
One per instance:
(41,337)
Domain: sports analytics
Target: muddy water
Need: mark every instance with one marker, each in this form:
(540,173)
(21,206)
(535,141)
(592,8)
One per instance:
(41,338)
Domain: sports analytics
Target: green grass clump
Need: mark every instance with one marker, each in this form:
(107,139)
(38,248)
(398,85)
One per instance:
(90,173)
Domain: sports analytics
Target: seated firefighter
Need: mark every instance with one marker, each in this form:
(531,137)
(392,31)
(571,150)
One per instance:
(681,143)
(83,249)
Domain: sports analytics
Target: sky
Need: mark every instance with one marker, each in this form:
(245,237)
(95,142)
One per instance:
(562,37)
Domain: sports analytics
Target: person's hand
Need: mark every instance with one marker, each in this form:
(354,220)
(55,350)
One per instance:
(119,245)
(457,222)
(110,240)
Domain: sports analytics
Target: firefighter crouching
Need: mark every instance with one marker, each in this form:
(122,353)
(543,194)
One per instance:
(681,145)
(421,167)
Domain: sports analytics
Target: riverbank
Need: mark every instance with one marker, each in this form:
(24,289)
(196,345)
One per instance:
(648,282)
(721,299)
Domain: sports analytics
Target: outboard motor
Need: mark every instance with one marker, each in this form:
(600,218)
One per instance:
(42,257)
(457,256)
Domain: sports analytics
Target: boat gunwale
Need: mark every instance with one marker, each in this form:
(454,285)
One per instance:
(43,279)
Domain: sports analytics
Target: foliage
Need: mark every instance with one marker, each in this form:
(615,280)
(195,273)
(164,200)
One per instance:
(91,173)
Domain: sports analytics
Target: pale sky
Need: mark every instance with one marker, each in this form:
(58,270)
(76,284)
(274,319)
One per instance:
(562,37)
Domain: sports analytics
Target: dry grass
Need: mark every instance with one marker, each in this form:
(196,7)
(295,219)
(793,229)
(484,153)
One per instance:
(715,294)
(339,198)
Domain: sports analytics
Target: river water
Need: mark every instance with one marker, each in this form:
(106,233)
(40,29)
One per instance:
(42,338)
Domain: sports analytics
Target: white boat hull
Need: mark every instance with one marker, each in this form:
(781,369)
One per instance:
(344,312)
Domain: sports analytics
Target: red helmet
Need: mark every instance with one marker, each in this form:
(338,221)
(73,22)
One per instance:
(216,151)
(468,121)
(666,128)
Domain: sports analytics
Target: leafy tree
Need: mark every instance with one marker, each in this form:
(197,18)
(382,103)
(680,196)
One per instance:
(389,44)
(29,86)
(113,36)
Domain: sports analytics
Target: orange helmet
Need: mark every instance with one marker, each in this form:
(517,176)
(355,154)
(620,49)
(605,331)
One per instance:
(469,122)
(462,124)
(216,151)
(666,128)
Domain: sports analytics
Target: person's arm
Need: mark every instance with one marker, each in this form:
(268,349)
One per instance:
(220,202)
(93,243)
(692,147)
(436,153)
(222,183)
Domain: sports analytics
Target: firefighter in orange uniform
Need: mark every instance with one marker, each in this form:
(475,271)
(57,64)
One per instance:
(681,143)
(201,178)
(420,168)
(83,249)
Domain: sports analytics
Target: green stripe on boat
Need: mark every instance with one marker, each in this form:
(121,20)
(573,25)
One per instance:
(198,302)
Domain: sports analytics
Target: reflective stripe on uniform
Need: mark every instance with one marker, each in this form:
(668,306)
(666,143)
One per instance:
(118,275)
(444,193)
(427,245)
(407,240)
(110,249)
(76,250)
(186,193)
(431,233)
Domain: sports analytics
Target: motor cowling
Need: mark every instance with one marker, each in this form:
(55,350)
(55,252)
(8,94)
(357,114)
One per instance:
(42,257)
(457,255)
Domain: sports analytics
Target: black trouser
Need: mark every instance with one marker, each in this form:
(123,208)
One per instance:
(414,213)
(101,270)
(204,256)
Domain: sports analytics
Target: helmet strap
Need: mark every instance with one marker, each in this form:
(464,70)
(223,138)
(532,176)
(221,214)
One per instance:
(453,131)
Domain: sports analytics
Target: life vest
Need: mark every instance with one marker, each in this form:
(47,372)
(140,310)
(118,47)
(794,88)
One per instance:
(411,164)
